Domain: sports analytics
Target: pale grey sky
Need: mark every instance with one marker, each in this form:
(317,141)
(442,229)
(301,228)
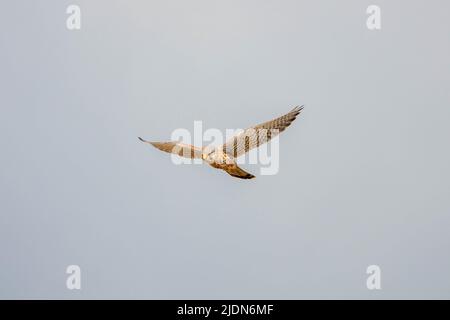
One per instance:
(364,172)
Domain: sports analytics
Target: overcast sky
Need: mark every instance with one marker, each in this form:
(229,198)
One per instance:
(364,173)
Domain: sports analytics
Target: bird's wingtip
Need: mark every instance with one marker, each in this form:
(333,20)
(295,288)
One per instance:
(141,139)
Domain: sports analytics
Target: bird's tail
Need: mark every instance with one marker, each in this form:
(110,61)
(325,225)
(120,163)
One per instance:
(237,172)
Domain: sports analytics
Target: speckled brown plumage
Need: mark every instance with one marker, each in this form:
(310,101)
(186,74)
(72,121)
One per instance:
(223,157)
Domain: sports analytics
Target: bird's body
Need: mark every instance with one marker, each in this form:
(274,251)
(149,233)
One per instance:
(224,161)
(224,156)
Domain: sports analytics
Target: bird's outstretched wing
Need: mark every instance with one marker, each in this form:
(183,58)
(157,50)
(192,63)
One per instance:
(255,136)
(181,149)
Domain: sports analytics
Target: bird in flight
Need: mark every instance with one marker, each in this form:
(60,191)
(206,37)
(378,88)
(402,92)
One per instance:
(224,156)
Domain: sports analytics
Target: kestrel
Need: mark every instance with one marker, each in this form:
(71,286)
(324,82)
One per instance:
(224,156)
